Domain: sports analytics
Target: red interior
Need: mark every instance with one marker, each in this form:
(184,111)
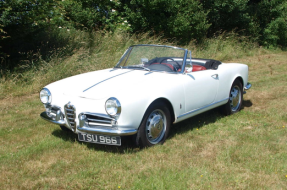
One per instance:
(198,68)
(194,67)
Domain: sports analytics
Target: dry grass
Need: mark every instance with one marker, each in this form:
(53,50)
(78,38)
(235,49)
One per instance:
(209,151)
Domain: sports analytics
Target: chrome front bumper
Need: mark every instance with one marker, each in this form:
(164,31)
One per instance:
(247,87)
(45,116)
(84,129)
(113,132)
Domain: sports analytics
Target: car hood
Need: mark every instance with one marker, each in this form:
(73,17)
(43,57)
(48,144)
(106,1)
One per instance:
(102,84)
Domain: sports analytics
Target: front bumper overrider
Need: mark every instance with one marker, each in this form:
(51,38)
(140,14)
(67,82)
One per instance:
(247,87)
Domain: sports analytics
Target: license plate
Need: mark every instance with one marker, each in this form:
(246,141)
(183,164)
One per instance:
(100,139)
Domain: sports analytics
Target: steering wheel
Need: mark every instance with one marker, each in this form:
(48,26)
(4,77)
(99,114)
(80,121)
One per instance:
(160,67)
(179,66)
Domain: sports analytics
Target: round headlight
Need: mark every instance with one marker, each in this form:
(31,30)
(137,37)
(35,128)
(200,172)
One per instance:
(45,96)
(113,107)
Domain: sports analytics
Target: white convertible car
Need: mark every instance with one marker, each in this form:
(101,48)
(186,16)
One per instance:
(151,87)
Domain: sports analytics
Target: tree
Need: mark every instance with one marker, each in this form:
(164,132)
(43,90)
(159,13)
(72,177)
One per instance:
(230,15)
(272,18)
(22,22)
(182,19)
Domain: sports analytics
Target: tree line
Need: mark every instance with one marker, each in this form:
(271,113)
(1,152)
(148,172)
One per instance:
(33,25)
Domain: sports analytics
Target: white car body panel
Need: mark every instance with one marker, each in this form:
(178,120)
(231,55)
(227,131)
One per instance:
(192,91)
(185,93)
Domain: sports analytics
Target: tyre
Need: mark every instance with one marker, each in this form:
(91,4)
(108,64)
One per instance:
(235,99)
(155,125)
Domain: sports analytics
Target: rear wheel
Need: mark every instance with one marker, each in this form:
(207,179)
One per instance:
(235,99)
(155,126)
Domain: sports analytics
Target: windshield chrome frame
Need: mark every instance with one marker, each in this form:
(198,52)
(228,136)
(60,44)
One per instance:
(173,47)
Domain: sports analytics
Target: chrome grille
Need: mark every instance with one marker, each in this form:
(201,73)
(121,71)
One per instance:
(96,119)
(70,112)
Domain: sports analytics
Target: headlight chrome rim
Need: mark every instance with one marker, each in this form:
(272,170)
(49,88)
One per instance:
(45,96)
(118,107)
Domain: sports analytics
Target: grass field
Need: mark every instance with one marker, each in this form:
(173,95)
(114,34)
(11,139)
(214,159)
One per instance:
(209,151)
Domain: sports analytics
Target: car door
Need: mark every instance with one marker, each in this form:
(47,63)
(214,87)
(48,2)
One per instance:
(200,89)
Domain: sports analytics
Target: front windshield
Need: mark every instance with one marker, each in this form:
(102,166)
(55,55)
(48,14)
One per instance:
(152,57)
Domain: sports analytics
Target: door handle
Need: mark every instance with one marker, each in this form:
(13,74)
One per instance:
(215,76)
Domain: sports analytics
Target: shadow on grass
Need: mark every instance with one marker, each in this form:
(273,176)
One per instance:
(201,120)
(246,103)
(196,122)
(128,145)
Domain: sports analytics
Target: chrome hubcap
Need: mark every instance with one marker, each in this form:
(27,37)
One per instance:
(155,126)
(235,98)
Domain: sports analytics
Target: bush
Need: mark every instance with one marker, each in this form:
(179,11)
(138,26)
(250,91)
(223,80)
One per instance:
(272,16)
(180,19)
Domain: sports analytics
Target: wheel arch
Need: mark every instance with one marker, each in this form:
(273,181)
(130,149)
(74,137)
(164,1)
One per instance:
(169,106)
(167,103)
(240,80)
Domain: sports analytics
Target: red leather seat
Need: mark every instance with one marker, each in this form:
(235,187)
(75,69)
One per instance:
(196,68)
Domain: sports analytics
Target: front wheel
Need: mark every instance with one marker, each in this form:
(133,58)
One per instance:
(155,126)
(235,99)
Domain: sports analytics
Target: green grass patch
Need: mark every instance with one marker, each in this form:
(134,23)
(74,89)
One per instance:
(246,150)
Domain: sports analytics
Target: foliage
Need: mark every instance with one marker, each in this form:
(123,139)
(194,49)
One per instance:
(181,19)
(209,151)
(32,31)
(88,15)
(27,26)
(272,17)
(229,15)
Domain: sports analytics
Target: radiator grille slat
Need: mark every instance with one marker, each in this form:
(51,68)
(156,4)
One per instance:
(70,112)
(95,119)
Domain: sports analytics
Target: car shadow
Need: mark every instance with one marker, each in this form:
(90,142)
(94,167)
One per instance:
(196,122)
(201,120)
(127,142)
(246,103)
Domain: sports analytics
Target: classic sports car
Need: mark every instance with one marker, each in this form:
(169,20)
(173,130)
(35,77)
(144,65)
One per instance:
(151,87)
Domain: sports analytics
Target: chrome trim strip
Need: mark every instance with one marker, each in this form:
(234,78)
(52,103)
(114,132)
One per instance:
(98,121)
(47,118)
(174,47)
(98,115)
(127,50)
(190,112)
(106,80)
(93,125)
(107,131)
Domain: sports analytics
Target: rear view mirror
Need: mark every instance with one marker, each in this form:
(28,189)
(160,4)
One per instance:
(144,60)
